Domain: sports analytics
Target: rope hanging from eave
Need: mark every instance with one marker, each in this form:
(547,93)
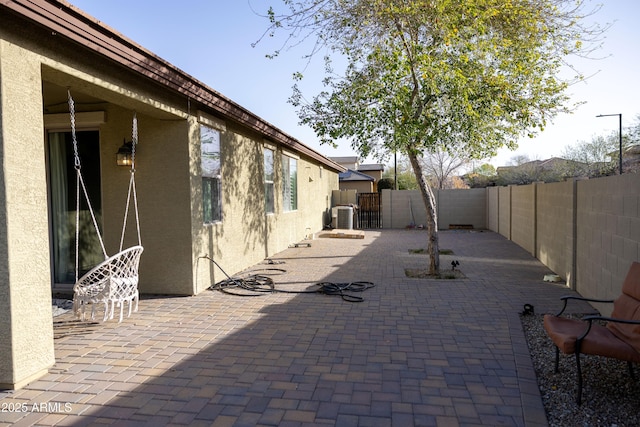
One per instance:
(80,185)
(131,193)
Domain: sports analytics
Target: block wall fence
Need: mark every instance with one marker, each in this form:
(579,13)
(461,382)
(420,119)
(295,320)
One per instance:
(586,231)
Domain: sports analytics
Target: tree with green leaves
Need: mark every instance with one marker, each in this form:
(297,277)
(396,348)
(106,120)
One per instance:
(402,172)
(463,76)
(481,176)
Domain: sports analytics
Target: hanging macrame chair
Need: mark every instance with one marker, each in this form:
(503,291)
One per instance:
(114,281)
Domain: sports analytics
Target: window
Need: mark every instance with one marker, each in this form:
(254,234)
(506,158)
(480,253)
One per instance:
(211,177)
(268,181)
(289,183)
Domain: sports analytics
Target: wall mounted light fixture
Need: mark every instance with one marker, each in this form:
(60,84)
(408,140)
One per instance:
(124,156)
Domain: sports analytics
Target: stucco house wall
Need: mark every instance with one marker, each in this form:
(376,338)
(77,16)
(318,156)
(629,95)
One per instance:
(247,234)
(26,329)
(358,186)
(38,63)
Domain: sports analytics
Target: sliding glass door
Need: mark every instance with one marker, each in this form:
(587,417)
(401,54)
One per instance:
(62,205)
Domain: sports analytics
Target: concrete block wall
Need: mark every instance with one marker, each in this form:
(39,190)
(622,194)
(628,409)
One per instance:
(493,207)
(344,197)
(504,212)
(523,215)
(555,227)
(462,207)
(608,234)
(403,208)
(587,232)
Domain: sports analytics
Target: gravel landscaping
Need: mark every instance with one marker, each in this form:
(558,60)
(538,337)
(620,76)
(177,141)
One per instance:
(609,396)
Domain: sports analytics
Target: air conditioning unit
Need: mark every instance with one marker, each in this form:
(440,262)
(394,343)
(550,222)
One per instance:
(345,217)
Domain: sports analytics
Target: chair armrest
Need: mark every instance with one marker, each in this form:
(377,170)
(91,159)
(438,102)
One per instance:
(590,320)
(612,319)
(566,299)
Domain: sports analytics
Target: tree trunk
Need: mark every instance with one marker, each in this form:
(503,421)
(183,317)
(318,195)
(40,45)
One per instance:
(432,216)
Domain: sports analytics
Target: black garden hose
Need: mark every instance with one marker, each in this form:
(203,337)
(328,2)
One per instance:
(259,284)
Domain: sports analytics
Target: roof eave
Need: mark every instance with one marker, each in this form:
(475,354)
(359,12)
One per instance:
(64,19)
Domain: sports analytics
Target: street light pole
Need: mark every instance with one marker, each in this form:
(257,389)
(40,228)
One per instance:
(619,136)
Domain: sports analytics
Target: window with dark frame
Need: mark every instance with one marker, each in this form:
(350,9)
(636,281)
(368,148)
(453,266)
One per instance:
(211,175)
(289,183)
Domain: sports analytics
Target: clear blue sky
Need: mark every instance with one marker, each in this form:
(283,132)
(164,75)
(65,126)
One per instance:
(211,40)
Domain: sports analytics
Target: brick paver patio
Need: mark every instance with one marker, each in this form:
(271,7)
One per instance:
(415,352)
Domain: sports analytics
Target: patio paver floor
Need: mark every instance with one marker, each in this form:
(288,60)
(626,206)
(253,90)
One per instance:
(414,352)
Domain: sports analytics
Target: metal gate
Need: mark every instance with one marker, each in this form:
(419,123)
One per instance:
(369,210)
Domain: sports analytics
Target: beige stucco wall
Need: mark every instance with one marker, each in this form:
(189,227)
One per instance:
(359,186)
(163,185)
(164,195)
(169,183)
(375,174)
(240,239)
(247,235)
(168,189)
(26,330)
(26,319)
(314,204)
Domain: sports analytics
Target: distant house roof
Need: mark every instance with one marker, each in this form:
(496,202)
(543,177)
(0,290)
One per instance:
(351,175)
(547,164)
(350,159)
(556,162)
(371,167)
(632,149)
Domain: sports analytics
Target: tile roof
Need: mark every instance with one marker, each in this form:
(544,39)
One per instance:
(351,175)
